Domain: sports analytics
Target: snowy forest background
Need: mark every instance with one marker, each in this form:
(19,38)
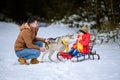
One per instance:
(103,12)
(101,16)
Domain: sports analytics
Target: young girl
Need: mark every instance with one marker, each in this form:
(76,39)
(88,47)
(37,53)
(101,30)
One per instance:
(81,46)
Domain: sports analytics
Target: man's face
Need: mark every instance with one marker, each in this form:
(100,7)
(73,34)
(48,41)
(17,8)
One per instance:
(34,24)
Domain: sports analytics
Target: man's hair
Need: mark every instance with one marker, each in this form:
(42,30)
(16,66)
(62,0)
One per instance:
(31,19)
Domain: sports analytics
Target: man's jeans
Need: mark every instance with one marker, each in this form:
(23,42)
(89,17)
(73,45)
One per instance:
(29,53)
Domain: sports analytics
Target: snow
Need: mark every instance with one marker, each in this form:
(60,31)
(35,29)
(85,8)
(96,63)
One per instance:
(55,30)
(107,68)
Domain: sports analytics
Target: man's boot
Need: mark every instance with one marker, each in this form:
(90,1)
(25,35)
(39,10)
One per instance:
(22,61)
(34,61)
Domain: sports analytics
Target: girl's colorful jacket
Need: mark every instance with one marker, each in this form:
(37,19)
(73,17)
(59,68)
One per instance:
(82,44)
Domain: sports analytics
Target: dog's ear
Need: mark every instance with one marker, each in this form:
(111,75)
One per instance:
(67,35)
(72,36)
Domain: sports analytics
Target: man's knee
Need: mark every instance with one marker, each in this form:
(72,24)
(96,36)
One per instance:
(37,53)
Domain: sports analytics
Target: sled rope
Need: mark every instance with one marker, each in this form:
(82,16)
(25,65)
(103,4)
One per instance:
(65,44)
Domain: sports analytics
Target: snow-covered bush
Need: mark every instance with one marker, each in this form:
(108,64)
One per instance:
(111,35)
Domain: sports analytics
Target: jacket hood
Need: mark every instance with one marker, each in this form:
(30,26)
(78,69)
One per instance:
(24,26)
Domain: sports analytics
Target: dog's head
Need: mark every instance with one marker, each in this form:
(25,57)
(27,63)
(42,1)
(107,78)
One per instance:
(52,40)
(69,38)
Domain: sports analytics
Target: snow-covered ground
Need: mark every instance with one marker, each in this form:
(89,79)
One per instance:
(107,68)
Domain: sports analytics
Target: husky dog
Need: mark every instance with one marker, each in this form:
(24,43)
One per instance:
(56,44)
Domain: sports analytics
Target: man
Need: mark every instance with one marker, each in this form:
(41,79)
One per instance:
(27,45)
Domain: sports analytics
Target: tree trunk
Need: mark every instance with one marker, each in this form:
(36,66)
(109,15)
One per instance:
(112,13)
(97,16)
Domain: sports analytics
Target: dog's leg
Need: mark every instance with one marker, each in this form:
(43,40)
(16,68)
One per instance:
(50,55)
(43,55)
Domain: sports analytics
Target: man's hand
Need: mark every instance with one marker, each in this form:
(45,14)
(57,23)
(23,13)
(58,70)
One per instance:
(42,49)
(47,40)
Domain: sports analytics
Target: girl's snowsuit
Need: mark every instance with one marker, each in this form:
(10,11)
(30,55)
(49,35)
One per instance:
(81,46)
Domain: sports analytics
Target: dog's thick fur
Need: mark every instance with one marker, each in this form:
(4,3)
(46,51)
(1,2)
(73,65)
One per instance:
(56,45)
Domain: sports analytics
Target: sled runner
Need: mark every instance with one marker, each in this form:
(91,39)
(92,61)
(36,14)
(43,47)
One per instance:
(90,55)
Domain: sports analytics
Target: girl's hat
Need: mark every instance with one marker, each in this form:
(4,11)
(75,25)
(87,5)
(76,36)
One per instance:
(83,30)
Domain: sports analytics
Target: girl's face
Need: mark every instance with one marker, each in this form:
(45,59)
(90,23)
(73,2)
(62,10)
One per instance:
(80,33)
(34,24)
